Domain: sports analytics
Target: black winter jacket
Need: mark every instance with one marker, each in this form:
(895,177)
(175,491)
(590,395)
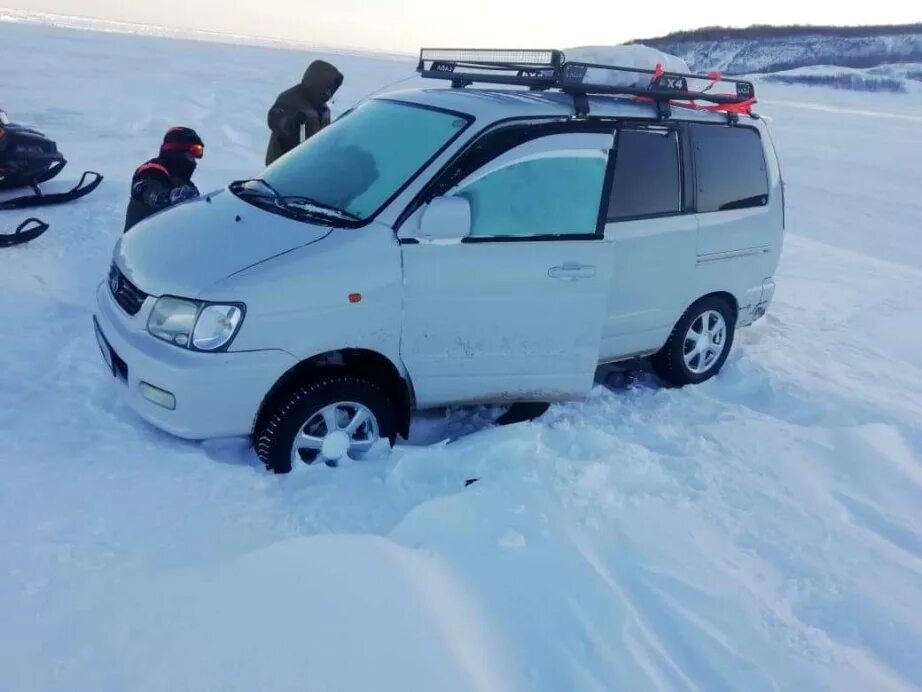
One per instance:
(303,105)
(151,187)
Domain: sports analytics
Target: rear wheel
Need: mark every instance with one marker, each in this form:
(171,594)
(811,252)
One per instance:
(699,343)
(324,421)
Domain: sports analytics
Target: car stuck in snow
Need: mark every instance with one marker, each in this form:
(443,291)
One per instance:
(453,246)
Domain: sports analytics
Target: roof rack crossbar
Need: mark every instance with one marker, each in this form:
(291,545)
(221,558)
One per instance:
(549,69)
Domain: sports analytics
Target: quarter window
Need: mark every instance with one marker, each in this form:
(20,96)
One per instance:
(647,179)
(729,167)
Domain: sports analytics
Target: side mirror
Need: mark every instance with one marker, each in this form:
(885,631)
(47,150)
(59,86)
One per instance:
(445,219)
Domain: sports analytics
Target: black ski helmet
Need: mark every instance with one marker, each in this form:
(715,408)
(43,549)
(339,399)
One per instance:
(184,140)
(180,149)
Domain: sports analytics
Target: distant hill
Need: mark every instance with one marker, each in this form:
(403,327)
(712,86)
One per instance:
(774,48)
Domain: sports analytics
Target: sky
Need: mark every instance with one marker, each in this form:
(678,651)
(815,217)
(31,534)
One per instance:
(409,24)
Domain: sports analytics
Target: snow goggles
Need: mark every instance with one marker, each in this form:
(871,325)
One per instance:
(197,150)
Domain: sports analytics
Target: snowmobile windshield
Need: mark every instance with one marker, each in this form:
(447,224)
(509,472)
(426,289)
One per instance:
(4,120)
(352,168)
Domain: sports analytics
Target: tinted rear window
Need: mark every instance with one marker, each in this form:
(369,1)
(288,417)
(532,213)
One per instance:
(730,168)
(647,179)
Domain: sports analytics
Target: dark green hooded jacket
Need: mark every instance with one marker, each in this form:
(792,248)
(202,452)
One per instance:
(303,104)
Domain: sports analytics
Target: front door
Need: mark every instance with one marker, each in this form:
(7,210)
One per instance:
(514,311)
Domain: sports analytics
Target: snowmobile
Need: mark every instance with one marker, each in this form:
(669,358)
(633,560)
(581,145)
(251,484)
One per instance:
(27,159)
(30,229)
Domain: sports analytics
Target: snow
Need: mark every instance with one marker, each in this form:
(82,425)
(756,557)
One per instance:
(761,531)
(635,56)
(640,57)
(890,78)
(299,629)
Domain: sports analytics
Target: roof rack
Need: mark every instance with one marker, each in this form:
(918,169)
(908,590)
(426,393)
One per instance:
(549,69)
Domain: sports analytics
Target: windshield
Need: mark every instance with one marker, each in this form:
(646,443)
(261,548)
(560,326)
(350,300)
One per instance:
(355,165)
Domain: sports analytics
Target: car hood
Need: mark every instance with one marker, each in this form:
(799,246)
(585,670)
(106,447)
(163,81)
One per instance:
(185,249)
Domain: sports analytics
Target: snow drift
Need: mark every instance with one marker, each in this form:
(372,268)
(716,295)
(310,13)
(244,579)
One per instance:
(641,57)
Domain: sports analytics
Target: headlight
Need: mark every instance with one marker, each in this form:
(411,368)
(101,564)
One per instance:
(194,325)
(173,319)
(216,326)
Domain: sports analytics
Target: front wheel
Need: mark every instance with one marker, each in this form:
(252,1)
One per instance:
(324,421)
(699,343)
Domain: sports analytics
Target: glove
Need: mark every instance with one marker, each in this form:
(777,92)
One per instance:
(182,193)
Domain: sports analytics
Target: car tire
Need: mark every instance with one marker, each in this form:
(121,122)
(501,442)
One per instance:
(690,357)
(318,412)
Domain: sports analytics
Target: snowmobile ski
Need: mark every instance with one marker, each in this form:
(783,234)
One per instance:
(30,229)
(44,199)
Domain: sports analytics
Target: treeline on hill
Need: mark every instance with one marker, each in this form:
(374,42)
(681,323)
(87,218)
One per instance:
(858,61)
(852,82)
(762,31)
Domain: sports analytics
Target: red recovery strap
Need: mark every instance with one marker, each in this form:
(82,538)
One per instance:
(742,108)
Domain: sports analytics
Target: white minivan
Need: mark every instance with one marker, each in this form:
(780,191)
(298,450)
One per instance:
(451,246)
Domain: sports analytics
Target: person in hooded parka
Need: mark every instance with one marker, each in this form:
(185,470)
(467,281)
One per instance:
(301,111)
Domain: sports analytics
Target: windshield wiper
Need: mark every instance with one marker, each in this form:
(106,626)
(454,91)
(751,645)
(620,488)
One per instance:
(310,205)
(258,191)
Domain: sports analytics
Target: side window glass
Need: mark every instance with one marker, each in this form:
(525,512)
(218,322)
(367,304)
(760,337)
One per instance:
(647,180)
(729,167)
(548,186)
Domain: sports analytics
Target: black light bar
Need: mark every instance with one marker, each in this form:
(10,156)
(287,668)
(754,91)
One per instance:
(499,56)
(464,66)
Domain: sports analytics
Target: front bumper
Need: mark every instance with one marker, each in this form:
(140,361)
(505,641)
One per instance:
(216,394)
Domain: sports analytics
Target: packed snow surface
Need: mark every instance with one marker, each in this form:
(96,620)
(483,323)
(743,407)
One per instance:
(760,532)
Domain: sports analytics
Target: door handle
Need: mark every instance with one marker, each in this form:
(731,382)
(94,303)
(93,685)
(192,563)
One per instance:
(572,271)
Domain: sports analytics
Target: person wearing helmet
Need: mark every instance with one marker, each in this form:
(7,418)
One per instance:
(167,179)
(301,111)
